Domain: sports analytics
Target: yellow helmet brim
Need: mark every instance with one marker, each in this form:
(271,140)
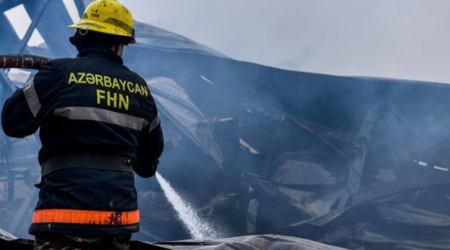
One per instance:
(106,28)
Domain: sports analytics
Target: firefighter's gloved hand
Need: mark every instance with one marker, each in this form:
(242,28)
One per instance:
(146,170)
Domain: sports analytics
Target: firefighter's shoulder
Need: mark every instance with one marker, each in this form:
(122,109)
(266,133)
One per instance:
(59,62)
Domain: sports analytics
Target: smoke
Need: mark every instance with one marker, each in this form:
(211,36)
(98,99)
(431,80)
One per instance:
(404,39)
(296,149)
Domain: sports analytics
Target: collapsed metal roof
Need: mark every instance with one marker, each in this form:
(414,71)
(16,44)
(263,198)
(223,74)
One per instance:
(355,162)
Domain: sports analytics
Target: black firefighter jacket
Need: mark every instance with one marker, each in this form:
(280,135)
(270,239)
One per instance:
(87,106)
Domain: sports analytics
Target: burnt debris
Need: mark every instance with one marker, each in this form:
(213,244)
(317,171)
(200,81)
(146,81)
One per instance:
(360,163)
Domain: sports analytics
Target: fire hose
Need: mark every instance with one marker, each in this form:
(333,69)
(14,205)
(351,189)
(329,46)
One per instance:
(22,61)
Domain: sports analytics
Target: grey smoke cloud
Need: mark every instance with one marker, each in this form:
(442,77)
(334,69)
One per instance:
(406,39)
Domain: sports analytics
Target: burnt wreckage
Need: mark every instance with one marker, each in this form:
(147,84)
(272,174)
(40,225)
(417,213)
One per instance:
(360,163)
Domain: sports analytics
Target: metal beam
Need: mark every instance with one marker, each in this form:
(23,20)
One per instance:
(9,4)
(80,6)
(9,35)
(57,37)
(35,11)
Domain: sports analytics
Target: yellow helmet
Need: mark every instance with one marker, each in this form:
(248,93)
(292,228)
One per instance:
(109,17)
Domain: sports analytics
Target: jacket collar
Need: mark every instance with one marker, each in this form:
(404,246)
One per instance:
(102,51)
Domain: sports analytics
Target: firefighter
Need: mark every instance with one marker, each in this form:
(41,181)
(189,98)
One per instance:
(98,124)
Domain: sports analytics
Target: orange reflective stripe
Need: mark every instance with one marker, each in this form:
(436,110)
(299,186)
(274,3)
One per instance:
(85,217)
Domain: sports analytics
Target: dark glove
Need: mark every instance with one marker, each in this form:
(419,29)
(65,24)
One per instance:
(146,170)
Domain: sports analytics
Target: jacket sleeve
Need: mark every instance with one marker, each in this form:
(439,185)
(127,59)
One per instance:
(25,110)
(150,148)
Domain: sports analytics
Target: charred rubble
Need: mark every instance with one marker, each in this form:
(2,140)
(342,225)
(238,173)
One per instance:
(355,162)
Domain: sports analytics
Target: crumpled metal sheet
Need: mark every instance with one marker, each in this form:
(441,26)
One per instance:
(256,242)
(156,38)
(356,162)
(175,103)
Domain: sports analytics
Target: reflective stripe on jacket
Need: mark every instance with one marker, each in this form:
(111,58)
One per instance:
(88,104)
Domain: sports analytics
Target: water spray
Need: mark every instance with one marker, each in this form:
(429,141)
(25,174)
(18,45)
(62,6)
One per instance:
(197,227)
